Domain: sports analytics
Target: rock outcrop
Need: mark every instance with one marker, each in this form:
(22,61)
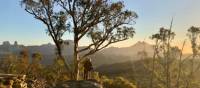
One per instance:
(12,81)
(79,84)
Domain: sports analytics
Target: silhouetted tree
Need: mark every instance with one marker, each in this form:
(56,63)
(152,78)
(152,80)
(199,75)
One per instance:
(155,37)
(180,66)
(53,18)
(193,34)
(163,42)
(104,22)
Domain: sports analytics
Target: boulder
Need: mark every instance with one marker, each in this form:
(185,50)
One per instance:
(79,84)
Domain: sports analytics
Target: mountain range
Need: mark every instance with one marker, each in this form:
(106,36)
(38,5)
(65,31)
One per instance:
(108,55)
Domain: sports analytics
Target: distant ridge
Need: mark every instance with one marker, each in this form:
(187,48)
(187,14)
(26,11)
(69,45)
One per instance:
(109,55)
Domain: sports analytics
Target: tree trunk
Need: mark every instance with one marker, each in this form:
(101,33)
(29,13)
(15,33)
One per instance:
(59,51)
(76,59)
(180,66)
(153,65)
(60,56)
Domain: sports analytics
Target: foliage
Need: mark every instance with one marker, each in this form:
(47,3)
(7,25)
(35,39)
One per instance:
(33,69)
(118,82)
(167,68)
(102,21)
(193,34)
(54,20)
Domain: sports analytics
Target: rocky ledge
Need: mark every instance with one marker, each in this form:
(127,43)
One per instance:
(79,84)
(12,81)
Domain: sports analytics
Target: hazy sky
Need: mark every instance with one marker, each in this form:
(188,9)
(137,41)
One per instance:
(16,24)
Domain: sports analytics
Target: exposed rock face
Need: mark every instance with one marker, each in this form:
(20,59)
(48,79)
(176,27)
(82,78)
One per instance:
(79,84)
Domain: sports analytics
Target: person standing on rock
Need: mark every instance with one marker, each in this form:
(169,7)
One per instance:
(87,68)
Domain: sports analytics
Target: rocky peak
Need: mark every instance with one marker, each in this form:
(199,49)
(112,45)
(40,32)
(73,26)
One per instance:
(15,43)
(6,43)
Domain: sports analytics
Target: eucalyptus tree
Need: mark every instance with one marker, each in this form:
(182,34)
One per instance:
(155,37)
(193,34)
(162,51)
(48,12)
(102,22)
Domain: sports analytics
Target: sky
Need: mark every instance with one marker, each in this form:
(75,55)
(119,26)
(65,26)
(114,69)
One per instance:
(17,25)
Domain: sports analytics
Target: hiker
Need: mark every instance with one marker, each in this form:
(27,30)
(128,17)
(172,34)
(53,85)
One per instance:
(87,68)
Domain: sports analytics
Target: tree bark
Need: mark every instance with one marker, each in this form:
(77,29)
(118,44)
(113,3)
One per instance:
(76,59)
(60,56)
(59,51)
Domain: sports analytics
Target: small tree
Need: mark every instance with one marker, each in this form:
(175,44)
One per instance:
(193,34)
(102,21)
(163,49)
(155,37)
(35,67)
(23,61)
